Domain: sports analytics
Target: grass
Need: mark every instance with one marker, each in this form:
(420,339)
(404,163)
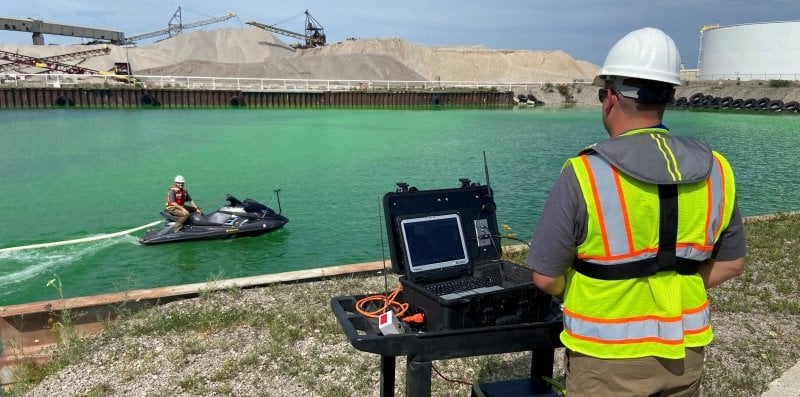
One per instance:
(284,340)
(756,314)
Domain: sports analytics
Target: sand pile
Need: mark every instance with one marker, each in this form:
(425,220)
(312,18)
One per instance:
(253,52)
(331,67)
(230,45)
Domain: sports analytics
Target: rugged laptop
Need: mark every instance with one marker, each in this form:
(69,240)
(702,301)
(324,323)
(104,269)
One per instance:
(446,245)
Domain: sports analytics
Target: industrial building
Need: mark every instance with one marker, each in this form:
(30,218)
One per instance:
(754,51)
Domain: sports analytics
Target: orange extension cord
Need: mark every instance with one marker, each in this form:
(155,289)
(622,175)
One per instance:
(389,303)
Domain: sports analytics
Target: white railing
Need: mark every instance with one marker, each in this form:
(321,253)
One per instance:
(750,76)
(261,84)
(316,85)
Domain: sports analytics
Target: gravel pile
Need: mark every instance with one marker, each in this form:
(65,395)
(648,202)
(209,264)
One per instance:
(254,52)
(469,63)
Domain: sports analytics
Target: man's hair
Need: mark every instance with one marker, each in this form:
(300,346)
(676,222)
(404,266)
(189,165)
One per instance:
(646,92)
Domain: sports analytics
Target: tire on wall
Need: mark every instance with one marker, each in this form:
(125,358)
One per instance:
(775,105)
(236,102)
(791,106)
(149,101)
(62,101)
(696,99)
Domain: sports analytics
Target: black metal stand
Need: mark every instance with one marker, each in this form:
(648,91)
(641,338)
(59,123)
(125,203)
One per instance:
(541,338)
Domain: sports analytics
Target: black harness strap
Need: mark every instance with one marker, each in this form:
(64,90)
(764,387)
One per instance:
(629,270)
(668,225)
(665,259)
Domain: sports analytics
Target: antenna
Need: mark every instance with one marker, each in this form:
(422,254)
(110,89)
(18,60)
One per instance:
(383,249)
(278,195)
(486,172)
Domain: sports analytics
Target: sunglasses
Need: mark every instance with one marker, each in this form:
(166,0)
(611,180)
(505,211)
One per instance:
(602,94)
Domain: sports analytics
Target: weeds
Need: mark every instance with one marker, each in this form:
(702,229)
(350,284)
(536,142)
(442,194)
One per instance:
(566,91)
(781,83)
(61,322)
(69,347)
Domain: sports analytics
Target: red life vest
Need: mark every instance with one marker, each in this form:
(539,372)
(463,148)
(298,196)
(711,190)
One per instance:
(180,195)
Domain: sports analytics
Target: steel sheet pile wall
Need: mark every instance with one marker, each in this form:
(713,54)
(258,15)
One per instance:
(176,98)
(759,51)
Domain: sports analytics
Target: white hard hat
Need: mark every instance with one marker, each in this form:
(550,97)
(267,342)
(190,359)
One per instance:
(179,179)
(647,54)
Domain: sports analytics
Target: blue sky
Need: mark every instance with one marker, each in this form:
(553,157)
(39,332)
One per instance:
(585,29)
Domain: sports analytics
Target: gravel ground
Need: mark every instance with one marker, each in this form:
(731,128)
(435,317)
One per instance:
(288,343)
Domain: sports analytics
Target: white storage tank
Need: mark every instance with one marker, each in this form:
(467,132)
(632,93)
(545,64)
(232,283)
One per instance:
(755,51)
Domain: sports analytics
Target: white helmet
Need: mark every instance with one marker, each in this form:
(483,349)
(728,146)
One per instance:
(179,179)
(647,54)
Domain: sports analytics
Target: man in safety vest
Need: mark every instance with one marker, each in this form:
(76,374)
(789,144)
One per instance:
(177,198)
(635,229)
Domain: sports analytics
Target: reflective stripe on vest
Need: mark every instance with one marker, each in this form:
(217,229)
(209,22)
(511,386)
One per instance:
(667,330)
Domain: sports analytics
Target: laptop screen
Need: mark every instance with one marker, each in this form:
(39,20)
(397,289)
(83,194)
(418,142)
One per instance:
(433,242)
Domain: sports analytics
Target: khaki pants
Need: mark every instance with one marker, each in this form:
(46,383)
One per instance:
(181,212)
(646,376)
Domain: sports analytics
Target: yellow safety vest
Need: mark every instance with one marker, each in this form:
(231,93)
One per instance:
(661,314)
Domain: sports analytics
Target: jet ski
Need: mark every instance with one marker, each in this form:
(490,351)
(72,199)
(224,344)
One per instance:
(236,219)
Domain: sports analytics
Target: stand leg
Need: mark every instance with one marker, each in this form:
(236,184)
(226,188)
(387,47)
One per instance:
(387,376)
(418,378)
(541,365)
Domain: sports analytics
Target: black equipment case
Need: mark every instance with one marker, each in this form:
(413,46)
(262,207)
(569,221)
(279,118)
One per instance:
(517,302)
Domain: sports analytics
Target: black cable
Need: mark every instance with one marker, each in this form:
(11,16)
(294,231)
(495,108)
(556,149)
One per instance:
(497,251)
(286,20)
(463,382)
(516,239)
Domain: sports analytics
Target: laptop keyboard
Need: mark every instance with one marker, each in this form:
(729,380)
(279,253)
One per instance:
(461,285)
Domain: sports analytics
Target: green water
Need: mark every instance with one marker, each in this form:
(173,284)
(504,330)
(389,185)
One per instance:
(67,174)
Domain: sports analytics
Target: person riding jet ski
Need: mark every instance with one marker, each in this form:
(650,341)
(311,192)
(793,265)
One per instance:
(177,198)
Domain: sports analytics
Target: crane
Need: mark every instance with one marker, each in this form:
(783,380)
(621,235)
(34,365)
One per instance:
(53,63)
(176,27)
(314,36)
(120,71)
